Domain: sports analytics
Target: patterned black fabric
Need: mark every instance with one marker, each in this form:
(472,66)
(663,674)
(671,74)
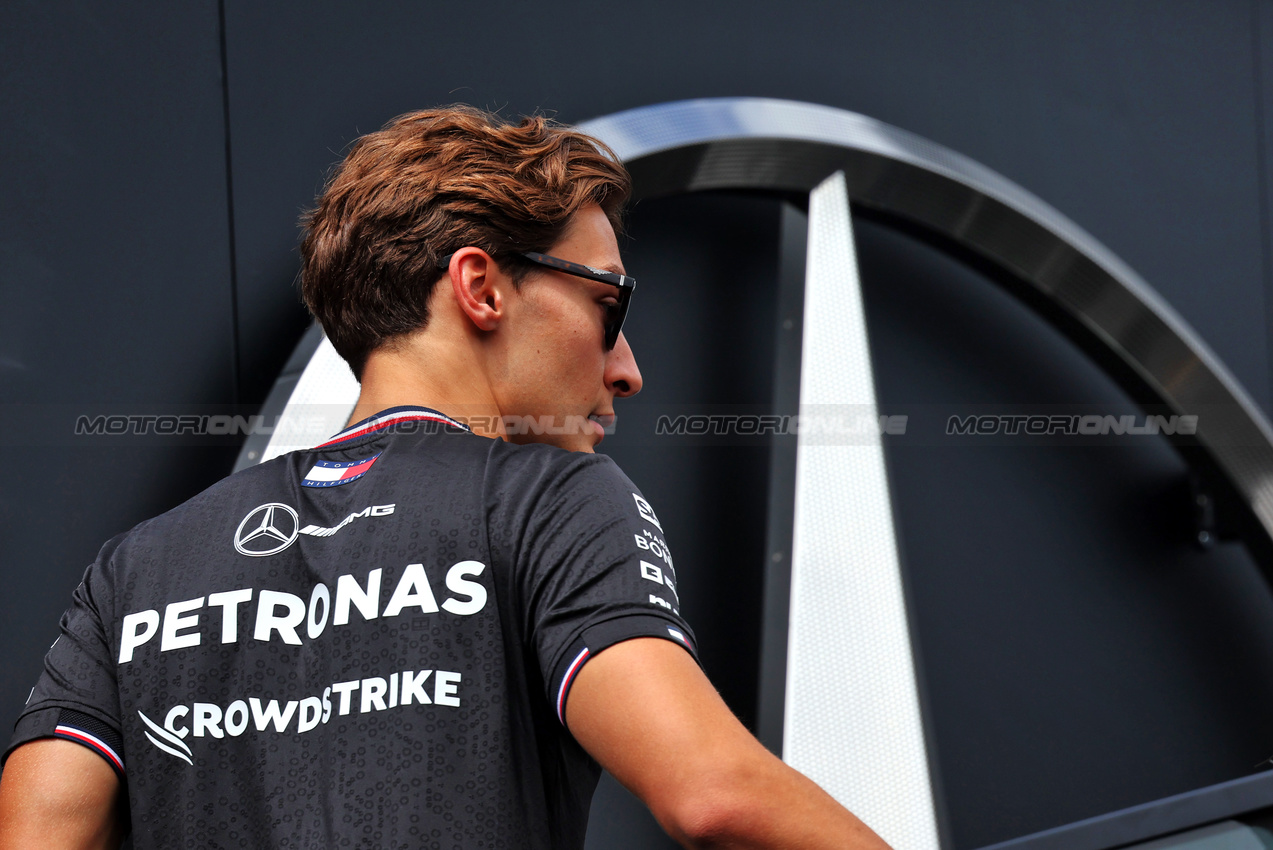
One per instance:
(378,662)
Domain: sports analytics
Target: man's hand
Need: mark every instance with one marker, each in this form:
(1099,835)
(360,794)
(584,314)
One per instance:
(646,712)
(59,795)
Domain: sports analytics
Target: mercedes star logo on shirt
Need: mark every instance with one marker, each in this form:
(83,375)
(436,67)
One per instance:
(267,530)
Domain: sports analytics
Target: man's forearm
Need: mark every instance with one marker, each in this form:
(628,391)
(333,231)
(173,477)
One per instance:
(771,805)
(647,713)
(749,798)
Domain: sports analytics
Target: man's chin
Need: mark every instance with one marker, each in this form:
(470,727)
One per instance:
(574,433)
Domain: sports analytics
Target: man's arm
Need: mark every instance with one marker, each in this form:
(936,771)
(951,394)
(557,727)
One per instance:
(59,795)
(646,712)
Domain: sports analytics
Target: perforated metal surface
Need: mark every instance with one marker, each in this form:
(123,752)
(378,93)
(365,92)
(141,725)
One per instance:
(852,718)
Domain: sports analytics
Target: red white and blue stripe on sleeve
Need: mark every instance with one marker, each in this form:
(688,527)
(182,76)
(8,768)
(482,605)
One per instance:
(567,680)
(92,733)
(604,635)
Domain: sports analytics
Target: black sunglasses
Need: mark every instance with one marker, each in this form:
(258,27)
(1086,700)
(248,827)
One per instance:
(616,312)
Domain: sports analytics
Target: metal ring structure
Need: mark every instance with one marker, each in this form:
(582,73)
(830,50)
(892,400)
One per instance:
(1046,260)
(788,148)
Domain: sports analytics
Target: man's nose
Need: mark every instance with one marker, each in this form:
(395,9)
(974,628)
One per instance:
(622,376)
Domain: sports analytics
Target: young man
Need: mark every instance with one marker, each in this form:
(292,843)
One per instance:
(422,632)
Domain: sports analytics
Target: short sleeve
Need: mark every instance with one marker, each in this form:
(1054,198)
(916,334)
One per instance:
(594,568)
(76,697)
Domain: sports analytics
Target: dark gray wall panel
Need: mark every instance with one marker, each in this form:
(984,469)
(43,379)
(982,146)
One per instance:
(1262,48)
(1136,120)
(114,270)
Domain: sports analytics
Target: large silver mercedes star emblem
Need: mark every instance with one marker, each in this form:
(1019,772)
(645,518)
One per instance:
(267,530)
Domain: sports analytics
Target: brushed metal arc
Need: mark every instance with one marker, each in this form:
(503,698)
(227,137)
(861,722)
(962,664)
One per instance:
(1051,264)
(767,145)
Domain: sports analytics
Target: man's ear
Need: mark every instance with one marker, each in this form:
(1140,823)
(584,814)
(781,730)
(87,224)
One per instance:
(478,285)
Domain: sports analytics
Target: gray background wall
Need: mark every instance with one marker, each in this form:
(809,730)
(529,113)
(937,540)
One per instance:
(1078,654)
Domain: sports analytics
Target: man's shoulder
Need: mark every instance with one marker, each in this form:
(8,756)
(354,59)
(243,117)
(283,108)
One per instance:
(559,495)
(545,467)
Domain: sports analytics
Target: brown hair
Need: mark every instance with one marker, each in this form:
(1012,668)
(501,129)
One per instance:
(424,186)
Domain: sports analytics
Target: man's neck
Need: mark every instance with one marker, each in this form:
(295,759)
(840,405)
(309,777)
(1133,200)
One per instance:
(421,371)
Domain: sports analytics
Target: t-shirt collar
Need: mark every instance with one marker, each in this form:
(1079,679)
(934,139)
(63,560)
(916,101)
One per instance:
(388,419)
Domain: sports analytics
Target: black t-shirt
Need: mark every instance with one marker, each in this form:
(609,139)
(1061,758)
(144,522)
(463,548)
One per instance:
(368,644)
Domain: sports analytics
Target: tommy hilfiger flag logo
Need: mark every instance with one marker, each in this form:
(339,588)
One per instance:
(329,473)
